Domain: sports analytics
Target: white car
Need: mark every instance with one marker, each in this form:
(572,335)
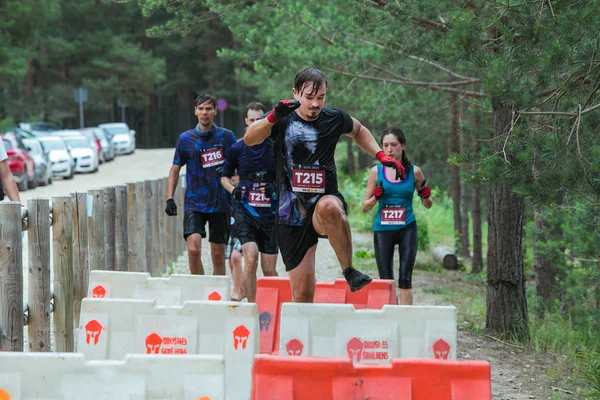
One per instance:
(83,152)
(62,162)
(123,138)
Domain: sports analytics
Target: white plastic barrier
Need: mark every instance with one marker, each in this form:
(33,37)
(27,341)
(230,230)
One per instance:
(170,291)
(68,376)
(368,336)
(112,328)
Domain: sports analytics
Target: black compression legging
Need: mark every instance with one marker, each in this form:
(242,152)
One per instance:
(407,240)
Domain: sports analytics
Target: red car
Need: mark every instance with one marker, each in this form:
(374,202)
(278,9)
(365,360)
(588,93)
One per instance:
(20,162)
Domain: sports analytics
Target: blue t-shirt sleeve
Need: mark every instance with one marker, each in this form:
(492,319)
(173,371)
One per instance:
(180,157)
(231,161)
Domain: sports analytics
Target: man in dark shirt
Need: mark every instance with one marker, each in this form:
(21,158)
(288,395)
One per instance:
(310,205)
(202,151)
(254,204)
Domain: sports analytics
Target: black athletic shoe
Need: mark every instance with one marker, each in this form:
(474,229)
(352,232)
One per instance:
(356,279)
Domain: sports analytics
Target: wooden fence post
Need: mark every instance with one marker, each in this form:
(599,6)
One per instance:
(11,277)
(62,262)
(96,230)
(39,297)
(140,228)
(151,247)
(121,228)
(132,238)
(162,233)
(109,199)
(81,266)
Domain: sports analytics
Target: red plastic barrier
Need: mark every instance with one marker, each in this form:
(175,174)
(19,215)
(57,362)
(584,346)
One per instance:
(319,378)
(272,292)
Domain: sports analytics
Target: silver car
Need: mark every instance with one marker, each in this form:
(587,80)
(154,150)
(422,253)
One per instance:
(60,156)
(108,149)
(41,158)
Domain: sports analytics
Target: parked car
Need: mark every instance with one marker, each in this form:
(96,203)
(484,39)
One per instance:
(83,152)
(62,162)
(20,162)
(40,128)
(22,133)
(123,138)
(96,141)
(41,158)
(108,151)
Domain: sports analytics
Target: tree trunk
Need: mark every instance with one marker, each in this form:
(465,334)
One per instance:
(350,157)
(464,193)
(506,302)
(454,172)
(477,261)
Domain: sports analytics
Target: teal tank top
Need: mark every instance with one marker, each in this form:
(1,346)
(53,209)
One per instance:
(395,206)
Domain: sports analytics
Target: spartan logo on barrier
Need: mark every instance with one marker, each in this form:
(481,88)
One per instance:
(354,348)
(294,347)
(153,342)
(98,292)
(265,320)
(441,349)
(92,331)
(240,337)
(215,296)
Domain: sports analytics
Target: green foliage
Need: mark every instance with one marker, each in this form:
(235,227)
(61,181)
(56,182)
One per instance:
(569,239)
(64,44)
(590,373)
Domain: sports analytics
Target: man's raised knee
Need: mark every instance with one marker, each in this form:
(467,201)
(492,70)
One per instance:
(330,208)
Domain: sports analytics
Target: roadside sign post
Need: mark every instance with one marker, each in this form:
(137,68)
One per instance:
(81,96)
(122,105)
(222,106)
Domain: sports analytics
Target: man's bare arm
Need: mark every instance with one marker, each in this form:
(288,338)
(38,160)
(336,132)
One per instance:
(172,181)
(257,132)
(364,139)
(227,184)
(261,129)
(8,182)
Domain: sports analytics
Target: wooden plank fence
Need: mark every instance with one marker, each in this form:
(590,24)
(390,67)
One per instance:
(122,228)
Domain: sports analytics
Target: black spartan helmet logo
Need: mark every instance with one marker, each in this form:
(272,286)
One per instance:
(265,320)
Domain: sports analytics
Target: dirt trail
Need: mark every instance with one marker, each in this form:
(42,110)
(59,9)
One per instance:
(514,377)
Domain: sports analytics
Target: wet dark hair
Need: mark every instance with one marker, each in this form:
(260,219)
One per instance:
(204,97)
(397,132)
(310,75)
(256,106)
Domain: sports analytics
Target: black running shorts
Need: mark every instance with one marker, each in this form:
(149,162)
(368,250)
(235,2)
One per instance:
(259,230)
(218,224)
(294,241)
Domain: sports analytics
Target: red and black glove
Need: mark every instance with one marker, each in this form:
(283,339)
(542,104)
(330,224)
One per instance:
(281,109)
(390,163)
(379,190)
(425,191)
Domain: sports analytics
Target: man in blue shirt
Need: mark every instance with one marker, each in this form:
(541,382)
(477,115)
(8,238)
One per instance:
(202,151)
(255,204)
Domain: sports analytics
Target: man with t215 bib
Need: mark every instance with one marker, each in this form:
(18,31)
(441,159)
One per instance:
(310,205)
